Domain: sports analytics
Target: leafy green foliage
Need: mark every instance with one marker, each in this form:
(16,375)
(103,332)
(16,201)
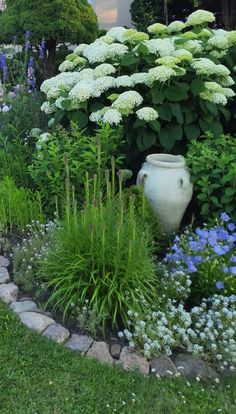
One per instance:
(84,154)
(16,145)
(212,163)
(18,207)
(101,255)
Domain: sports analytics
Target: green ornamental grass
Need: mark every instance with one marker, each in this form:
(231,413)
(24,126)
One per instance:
(102,255)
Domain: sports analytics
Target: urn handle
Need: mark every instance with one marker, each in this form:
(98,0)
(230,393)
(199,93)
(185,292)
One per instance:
(142,175)
(184,183)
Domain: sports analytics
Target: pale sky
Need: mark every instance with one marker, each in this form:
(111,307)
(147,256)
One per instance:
(112,12)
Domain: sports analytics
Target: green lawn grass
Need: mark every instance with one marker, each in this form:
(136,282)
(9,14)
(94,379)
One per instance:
(41,377)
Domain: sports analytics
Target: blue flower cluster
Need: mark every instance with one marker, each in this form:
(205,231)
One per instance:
(209,250)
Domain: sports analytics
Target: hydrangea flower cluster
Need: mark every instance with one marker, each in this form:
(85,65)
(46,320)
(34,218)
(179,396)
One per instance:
(147,114)
(208,254)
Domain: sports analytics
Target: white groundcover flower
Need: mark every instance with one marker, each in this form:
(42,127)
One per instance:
(124,81)
(48,108)
(103,70)
(127,101)
(200,17)
(82,91)
(147,114)
(161,73)
(117,33)
(112,117)
(163,47)
(67,65)
(175,26)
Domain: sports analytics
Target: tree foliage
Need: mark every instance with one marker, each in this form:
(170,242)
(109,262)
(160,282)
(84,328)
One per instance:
(55,21)
(62,20)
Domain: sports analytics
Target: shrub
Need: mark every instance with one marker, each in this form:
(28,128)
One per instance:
(101,255)
(166,86)
(212,162)
(84,154)
(18,207)
(207,254)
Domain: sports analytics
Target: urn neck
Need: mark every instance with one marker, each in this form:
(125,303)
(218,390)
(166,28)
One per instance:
(166,160)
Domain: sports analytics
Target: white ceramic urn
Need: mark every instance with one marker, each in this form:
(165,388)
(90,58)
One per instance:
(167,187)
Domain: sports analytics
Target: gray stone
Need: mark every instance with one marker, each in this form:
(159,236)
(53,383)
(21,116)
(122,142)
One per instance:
(161,365)
(115,350)
(80,343)
(4,261)
(4,275)
(57,333)
(192,367)
(26,306)
(100,350)
(35,321)
(8,292)
(130,360)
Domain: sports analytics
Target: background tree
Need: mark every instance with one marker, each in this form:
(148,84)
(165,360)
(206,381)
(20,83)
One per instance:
(147,12)
(55,21)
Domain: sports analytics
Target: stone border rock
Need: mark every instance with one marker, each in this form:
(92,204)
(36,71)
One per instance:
(160,366)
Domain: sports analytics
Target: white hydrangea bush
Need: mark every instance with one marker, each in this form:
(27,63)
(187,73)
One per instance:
(169,84)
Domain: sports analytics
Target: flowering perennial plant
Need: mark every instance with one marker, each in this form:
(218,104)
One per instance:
(37,238)
(206,330)
(208,254)
(170,69)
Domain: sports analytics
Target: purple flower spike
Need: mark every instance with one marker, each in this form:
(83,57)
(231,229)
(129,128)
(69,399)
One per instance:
(27,34)
(225,217)
(220,285)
